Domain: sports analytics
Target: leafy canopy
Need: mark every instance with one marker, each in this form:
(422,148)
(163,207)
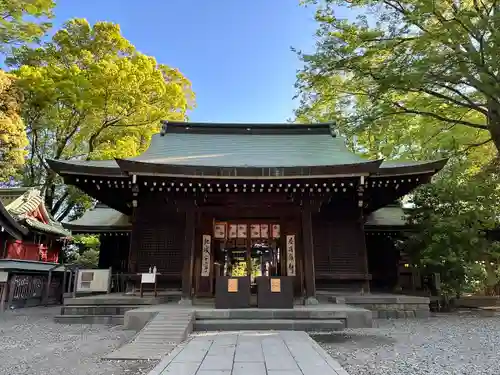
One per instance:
(89,95)
(418,79)
(18,21)
(453,219)
(12,135)
(409,78)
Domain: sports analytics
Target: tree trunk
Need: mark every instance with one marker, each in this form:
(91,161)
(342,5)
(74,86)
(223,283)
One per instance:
(494,122)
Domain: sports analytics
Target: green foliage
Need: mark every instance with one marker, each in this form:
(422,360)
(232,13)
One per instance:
(12,135)
(17,20)
(88,251)
(452,218)
(89,95)
(408,79)
(418,79)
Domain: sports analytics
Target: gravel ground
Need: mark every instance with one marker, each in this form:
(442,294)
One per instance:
(32,344)
(448,344)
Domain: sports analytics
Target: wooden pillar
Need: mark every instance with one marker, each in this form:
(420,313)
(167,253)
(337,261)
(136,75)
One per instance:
(133,245)
(364,255)
(188,253)
(307,237)
(47,289)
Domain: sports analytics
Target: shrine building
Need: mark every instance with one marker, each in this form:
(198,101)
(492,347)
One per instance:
(212,200)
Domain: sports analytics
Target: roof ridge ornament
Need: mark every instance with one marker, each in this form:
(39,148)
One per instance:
(333,129)
(164,126)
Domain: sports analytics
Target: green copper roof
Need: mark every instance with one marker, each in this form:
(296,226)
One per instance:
(29,265)
(18,210)
(248,150)
(260,150)
(100,219)
(390,216)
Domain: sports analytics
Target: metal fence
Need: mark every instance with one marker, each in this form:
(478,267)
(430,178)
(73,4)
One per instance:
(27,290)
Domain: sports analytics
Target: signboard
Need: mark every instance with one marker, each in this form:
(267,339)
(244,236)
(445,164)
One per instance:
(264,231)
(275,231)
(255,230)
(148,278)
(232,285)
(206,249)
(233,231)
(220,230)
(90,280)
(4,277)
(242,231)
(290,255)
(275,285)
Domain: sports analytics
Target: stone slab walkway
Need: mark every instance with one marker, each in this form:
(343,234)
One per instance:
(249,353)
(162,334)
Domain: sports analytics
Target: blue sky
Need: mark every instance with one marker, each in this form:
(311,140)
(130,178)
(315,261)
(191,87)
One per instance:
(235,52)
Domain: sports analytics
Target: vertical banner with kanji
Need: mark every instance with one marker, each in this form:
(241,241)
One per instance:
(206,250)
(290,255)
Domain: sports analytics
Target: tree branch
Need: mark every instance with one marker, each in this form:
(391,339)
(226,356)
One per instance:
(57,206)
(473,145)
(66,211)
(440,118)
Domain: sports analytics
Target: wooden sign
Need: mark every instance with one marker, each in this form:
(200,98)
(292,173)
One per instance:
(206,250)
(275,231)
(264,231)
(275,285)
(232,285)
(242,231)
(148,278)
(255,230)
(290,255)
(220,230)
(233,231)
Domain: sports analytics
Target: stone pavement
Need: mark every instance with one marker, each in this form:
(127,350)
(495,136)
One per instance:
(249,353)
(160,335)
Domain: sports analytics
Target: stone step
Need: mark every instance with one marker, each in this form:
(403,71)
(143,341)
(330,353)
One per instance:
(97,309)
(259,314)
(158,337)
(89,319)
(269,324)
(121,300)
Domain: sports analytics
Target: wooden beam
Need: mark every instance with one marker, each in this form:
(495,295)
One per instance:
(188,253)
(307,236)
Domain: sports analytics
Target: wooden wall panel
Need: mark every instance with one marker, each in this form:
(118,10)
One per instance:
(158,237)
(339,250)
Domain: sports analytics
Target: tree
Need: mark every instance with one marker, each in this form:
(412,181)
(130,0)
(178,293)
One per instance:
(419,73)
(87,251)
(416,80)
(452,219)
(17,21)
(12,134)
(90,95)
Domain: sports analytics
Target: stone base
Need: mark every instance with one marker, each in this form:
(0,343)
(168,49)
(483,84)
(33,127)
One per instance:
(186,302)
(311,301)
(384,306)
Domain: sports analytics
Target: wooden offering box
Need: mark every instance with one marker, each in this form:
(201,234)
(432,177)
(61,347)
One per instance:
(275,292)
(232,292)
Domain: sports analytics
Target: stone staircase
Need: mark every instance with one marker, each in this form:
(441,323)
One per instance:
(330,318)
(105,309)
(158,337)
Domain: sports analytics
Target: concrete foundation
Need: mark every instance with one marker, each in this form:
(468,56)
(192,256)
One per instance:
(383,306)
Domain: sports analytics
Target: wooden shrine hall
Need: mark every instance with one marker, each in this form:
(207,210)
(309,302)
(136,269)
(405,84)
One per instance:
(208,201)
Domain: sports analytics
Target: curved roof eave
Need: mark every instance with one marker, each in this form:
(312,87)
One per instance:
(245,172)
(90,168)
(395,168)
(12,227)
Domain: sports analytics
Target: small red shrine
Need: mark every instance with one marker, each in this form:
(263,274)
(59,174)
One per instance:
(27,230)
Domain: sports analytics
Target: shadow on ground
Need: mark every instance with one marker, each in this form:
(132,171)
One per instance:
(361,341)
